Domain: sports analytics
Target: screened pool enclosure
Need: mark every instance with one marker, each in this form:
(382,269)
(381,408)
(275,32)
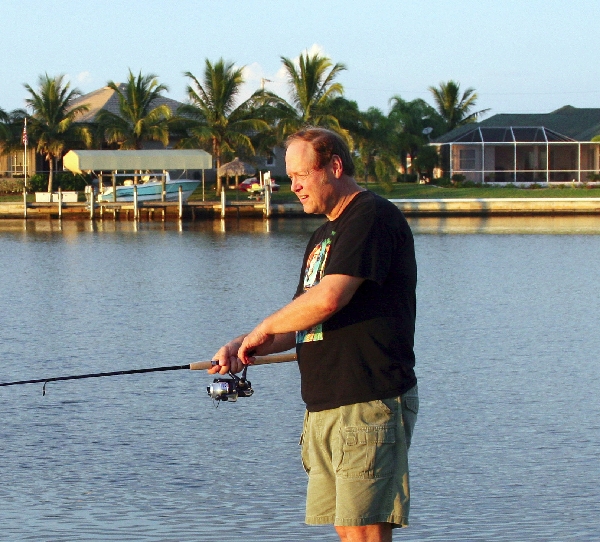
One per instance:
(521,154)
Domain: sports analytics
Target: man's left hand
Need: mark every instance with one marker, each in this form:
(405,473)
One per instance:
(255,339)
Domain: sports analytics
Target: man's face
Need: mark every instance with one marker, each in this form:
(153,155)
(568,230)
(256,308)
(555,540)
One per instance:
(312,186)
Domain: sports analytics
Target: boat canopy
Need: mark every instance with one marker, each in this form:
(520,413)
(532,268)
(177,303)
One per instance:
(80,161)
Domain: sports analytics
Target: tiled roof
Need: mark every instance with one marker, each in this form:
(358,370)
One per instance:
(580,124)
(106,98)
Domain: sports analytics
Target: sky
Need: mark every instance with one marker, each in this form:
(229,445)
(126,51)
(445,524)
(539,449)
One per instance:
(520,56)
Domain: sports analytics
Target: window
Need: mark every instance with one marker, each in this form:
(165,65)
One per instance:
(466,158)
(270,160)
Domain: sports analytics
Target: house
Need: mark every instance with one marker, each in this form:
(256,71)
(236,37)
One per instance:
(106,98)
(12,164)
(555,147)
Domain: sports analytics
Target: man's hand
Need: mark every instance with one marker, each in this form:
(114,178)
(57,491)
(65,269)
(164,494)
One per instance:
(227,359)
(256,339)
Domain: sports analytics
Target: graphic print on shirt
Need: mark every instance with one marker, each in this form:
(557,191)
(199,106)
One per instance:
(315,266)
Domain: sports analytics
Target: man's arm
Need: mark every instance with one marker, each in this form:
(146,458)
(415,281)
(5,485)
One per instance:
(316,305)
(277,332)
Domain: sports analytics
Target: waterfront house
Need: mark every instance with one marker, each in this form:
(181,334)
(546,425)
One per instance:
(12,163)
(558,147)
(106,98)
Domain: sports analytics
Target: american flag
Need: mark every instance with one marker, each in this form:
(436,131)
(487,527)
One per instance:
(25,133)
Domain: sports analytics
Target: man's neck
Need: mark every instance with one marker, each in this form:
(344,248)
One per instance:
(348,191)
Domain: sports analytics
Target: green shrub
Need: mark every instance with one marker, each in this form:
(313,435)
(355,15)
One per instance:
(408,178)
(71,181)
(594,177)
(37,183)
(63,179)
(11,186)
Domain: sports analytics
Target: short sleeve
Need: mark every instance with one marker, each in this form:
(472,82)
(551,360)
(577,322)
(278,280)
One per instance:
(362,245)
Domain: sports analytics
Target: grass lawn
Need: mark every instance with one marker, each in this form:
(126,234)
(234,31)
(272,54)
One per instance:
(416,191)
(419,191)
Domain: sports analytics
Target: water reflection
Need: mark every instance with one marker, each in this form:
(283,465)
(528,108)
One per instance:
(226,225)
(554,225)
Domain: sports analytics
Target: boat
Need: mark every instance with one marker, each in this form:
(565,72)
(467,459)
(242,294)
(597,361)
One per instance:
(151,190)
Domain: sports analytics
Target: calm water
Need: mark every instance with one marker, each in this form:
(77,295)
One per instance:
(507,443)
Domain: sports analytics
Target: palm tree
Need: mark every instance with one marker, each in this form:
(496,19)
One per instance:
(5,131)
(212,118)
(412,125)
(52,123)
(140,118)
(11,130)
(454,108)
(312,88)
(367,132)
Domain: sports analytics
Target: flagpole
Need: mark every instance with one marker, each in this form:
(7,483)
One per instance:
(25,155)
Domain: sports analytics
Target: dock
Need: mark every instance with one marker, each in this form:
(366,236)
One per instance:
(147,210)
(192,210)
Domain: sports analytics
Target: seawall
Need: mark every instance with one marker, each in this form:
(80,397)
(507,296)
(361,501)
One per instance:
(196,209)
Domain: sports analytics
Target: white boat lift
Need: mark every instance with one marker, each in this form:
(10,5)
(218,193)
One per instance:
(80,161)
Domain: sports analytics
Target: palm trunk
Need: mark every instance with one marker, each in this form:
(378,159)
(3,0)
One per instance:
(217,156)
(50,173)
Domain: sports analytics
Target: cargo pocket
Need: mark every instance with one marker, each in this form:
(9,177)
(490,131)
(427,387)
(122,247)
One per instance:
(304,442)
(368,452)
(410,409)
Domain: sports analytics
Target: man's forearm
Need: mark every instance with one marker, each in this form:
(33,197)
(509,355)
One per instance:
(313,307)
(281,343)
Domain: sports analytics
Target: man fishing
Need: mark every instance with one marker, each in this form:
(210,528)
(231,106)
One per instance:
(352,322)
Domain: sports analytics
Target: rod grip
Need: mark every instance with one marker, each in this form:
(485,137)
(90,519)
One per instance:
(259,360)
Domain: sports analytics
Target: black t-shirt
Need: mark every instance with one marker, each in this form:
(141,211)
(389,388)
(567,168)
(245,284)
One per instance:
(364,351)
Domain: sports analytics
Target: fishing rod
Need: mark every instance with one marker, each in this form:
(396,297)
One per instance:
(195,366)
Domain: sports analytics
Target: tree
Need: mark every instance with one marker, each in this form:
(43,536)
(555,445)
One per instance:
(140,117)
(5,132)
(368,130)
(454,108)
(52,123)
(11,130)
(213,118)
(312,88)
(409,122)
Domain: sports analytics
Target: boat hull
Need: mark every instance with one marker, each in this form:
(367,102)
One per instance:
(152,191)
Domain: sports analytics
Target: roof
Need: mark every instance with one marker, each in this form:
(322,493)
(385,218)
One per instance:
(566,123)
(79,161)
(106,98)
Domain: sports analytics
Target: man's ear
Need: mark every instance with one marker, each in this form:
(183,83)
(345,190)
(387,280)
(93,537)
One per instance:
(337,166)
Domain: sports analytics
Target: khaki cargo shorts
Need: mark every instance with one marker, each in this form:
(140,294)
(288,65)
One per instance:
(357,462)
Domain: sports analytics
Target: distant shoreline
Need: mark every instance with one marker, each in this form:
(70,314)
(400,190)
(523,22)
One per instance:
(196,210)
